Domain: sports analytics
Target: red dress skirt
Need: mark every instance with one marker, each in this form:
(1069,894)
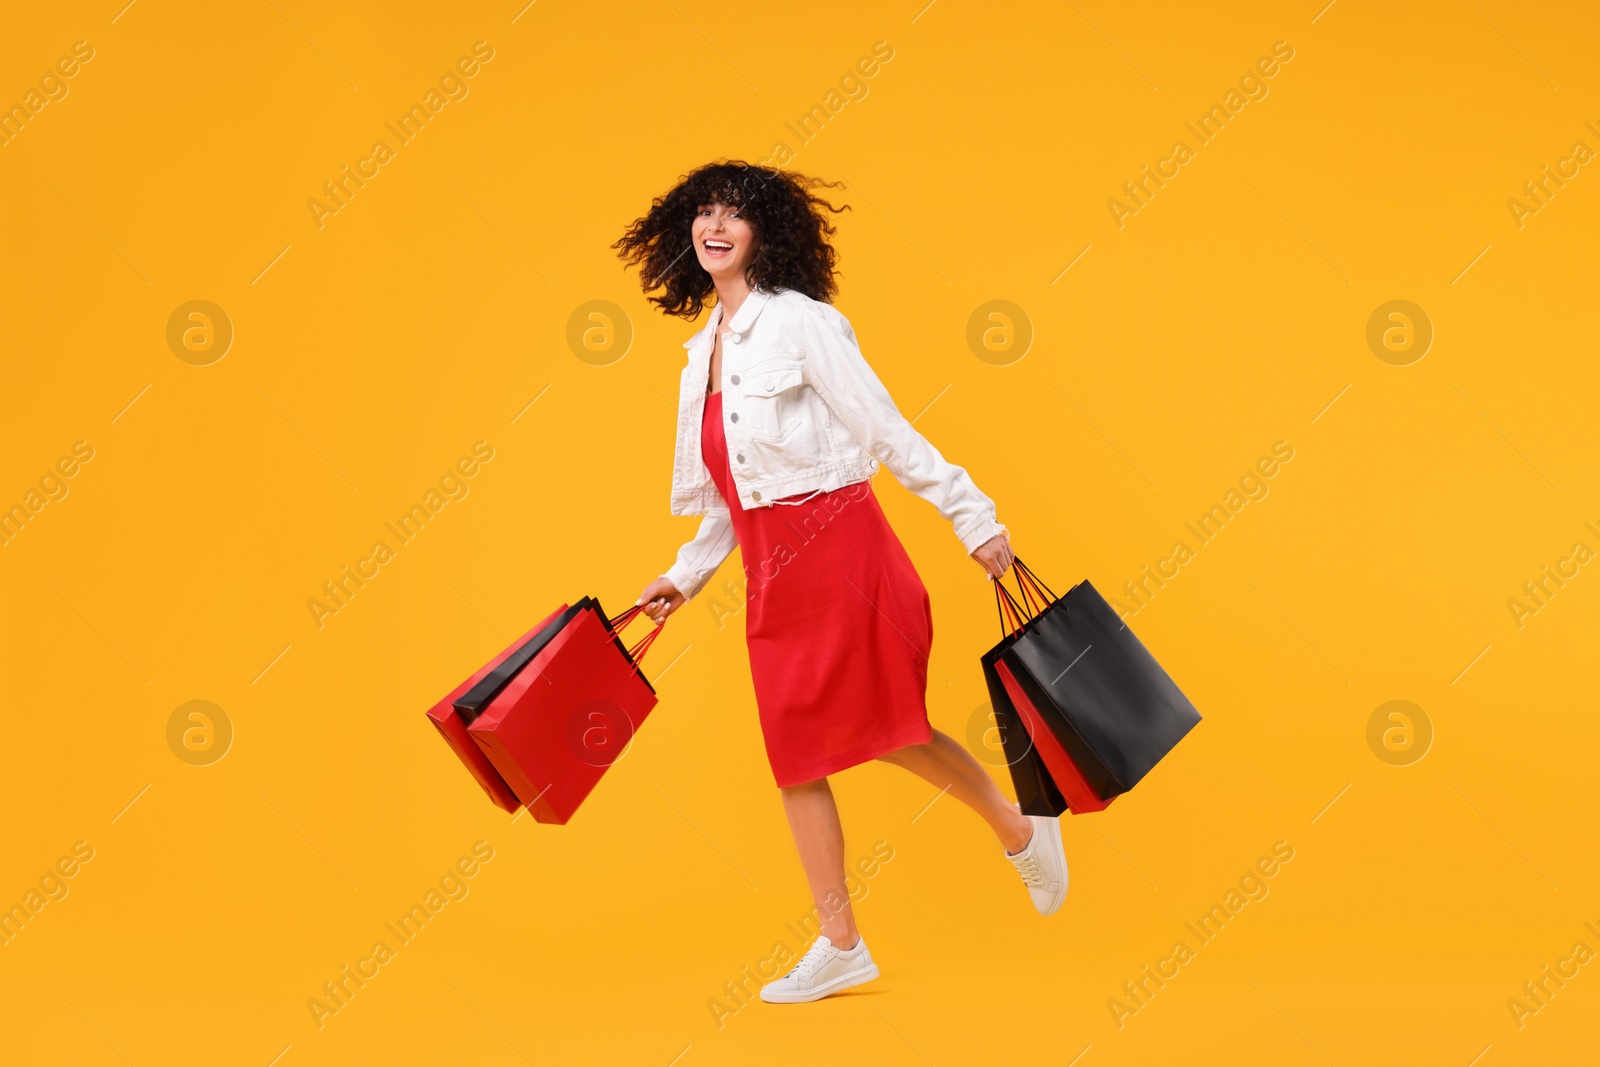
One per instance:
(837,621)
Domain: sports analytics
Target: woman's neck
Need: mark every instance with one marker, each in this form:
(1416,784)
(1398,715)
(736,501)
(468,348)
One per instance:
(730,297)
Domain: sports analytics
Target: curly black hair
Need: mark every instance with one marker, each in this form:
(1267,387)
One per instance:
(792,231)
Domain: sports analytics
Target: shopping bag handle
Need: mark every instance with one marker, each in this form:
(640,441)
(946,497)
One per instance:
(1035,597)
(636,653)
(1012,616)
(1024,571)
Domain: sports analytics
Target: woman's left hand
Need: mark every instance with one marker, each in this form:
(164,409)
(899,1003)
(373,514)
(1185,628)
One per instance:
(994,555)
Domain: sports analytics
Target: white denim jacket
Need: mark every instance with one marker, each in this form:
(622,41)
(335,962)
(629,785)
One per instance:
(803,413)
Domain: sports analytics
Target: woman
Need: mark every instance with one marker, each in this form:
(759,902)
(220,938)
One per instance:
(781,425)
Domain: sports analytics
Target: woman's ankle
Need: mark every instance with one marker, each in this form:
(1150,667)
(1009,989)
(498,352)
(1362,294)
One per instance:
(1017,833)
(843,939)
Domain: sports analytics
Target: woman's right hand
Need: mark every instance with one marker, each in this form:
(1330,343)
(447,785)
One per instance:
(660,599)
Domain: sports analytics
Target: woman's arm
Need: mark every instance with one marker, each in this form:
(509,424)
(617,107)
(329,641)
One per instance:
(839,373)
(699,559)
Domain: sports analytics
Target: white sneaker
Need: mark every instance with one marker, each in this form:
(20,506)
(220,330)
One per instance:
(823,970)
(1043,865)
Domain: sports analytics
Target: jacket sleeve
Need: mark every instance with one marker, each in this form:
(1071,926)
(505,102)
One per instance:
(839,373)
(699,559)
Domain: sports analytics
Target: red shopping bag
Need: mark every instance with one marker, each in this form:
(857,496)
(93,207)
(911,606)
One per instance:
(1075,789)
(568,714)
(452,722)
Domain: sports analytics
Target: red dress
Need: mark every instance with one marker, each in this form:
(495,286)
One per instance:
(837,621)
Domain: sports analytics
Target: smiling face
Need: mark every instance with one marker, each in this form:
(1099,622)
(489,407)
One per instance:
(724,242)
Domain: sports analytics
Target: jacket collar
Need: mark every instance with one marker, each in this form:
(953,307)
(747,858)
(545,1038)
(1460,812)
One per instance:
(743,319)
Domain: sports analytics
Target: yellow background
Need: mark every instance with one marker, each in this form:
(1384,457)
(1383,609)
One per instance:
(427,314)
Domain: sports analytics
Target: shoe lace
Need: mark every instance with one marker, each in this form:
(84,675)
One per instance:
(811,962)
(1029,869)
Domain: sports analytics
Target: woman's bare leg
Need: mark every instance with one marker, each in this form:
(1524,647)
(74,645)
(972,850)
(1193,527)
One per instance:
(814,820)
(946,763)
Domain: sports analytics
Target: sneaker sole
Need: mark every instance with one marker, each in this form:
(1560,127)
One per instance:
(844,981)
(1053,829)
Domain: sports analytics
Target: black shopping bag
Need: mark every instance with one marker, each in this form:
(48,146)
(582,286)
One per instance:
(1036,793)
(1098,689)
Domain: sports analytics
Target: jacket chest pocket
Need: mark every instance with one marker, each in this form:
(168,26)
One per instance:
(771,398)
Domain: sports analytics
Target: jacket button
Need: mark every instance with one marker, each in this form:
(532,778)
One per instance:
(755,495)
(733,338)
(734,416)
(740,457)
(769,387)
(734,379)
